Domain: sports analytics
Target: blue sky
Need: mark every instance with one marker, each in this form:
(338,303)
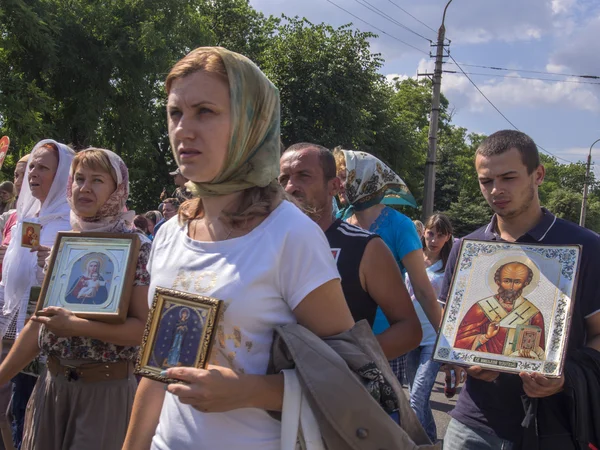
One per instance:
(544,35)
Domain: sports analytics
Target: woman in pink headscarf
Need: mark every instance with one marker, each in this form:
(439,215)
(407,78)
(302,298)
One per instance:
(83,399)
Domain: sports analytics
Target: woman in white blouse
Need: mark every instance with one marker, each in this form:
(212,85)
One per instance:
(237,240)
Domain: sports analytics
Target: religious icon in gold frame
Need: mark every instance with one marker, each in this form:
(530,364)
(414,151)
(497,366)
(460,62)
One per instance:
(180,332)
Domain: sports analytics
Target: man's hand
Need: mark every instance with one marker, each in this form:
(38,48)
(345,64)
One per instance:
(493,329)
(537,385)
(456,373)
(481,374)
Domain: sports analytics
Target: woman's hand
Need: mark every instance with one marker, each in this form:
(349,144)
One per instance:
(216,389)
(61,322)
(42,254)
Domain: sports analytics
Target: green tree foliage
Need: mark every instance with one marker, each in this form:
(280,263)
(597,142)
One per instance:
(92,73)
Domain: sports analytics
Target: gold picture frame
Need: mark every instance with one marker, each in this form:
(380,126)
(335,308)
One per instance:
(509,307)
(91,275)
(180,332)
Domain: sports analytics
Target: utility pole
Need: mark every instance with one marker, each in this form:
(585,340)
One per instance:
(433,122)
(585,186)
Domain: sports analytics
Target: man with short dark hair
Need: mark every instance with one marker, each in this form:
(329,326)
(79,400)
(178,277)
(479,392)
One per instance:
(490,412)
(370,275)
(170,208)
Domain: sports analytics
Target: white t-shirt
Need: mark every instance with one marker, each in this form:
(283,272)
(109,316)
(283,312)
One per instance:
(261,277)
(436,277)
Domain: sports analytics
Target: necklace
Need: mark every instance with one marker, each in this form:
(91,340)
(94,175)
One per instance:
(211,227)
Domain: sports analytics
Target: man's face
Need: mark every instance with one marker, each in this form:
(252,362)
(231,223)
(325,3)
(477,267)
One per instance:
(301,175)
(169,211)
(513,278)
(505,183)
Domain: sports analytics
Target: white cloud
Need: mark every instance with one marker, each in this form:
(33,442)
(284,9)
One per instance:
(556,68)
(562,6)
(580,51)
(532,94)
(516,92)
(393,77)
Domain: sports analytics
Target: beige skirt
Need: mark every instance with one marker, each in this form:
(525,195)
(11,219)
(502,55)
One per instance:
(72,415)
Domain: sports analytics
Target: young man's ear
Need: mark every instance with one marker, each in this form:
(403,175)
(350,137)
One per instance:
(540,173)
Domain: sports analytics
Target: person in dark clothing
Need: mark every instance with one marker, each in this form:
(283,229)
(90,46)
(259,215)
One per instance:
(490,411)
(370,275)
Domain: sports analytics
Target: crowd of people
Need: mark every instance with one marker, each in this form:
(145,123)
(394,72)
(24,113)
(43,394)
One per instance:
(301,235)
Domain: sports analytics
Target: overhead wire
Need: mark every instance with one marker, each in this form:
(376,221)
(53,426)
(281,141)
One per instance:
(594,77)
(518,77)
(406,12)
(500,112)
(379,12)
(378,29)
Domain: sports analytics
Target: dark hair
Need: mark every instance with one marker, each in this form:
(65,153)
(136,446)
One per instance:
(141,223)
(325,157)
(172,201)
(9,187)
(440,223)
(498,280)
(505,140)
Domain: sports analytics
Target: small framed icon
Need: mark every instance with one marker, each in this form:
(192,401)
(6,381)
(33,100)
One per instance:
(180,332)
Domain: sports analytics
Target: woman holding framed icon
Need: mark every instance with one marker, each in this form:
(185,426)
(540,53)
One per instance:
(83,398)
(237,241)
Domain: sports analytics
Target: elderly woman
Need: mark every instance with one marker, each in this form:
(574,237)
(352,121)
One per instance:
(84,397)
(8,196)
(41,200)
(367,184)
(239,241)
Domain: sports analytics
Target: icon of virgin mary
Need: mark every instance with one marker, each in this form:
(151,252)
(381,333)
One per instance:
(90,287)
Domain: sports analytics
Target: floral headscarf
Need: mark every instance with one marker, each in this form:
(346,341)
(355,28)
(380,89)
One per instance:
(254,149)
(112,217)
(370,182)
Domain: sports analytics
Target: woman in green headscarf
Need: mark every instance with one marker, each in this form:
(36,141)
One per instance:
(239,241)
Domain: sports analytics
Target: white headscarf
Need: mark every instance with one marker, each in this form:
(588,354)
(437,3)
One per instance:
(112,216)
(19,267)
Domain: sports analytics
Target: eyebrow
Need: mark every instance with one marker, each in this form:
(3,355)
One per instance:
(510,172)
(202,103)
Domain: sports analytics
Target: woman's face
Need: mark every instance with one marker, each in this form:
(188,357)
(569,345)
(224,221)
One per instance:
(341,174)
(4,196)
(93,268)
(151,226)
(434,240)
(18,176)
(199,119)
(42,169)
(91,189)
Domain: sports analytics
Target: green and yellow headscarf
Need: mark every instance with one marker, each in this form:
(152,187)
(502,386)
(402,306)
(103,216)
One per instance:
(254,144)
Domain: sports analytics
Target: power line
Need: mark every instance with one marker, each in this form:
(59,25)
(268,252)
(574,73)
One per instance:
(594,77)
(379,12)
(406,12)
(523,78)
(500,112)
(378,29)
